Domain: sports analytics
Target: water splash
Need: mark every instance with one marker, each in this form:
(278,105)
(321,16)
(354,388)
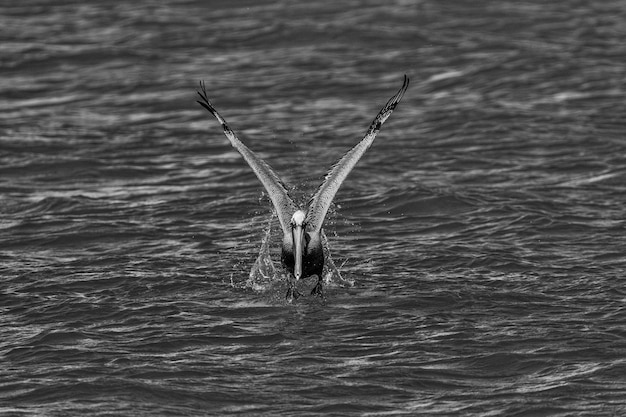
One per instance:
(263,273)
(332,275)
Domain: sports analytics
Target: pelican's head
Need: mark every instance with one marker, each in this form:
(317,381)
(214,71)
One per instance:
(297,233)
(298,218)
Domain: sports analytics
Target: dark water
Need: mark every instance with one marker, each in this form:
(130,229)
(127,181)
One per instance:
(484,231)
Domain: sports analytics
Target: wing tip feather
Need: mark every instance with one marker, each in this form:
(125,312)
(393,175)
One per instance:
(205,99)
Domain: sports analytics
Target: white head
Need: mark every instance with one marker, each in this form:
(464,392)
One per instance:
(298,218)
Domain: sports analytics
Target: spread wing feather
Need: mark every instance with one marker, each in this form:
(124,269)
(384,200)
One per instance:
(284,205)
(321,201)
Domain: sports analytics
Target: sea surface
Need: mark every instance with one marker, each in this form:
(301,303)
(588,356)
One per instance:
(481,241)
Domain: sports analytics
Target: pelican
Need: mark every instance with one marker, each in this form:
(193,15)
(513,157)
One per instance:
(302,253)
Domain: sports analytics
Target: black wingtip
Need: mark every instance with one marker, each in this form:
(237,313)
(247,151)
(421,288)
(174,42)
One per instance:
(205,99)
(405,83)
(393,101)
(202,91)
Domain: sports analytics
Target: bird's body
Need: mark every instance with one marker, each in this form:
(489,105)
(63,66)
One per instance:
(302,251)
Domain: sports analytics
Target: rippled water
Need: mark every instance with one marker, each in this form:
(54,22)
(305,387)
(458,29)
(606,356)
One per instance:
(484,230)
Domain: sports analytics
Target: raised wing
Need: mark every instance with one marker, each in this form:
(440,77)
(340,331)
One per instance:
(321,201)
(284,205)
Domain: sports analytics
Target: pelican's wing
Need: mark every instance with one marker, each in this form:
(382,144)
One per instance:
(285,207)
(319,204)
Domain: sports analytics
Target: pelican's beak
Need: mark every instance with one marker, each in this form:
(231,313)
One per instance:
(298,234)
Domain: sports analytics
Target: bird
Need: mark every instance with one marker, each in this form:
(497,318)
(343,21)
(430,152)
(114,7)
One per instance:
(302,254)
